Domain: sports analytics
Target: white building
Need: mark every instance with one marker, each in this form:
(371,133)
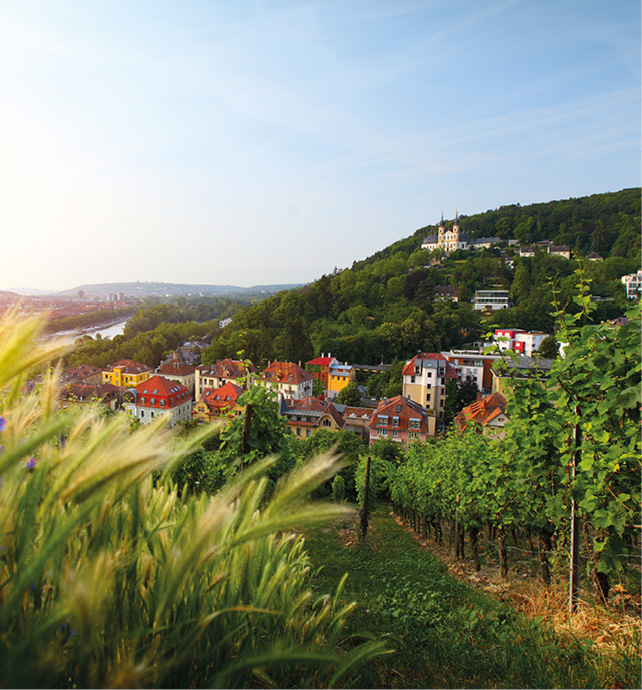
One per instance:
(491,300)
(518,340)
(633,284)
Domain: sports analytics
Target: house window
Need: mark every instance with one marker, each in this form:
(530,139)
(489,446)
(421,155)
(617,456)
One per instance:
(162,402)
(395,421)
(413,423)
(395,433)
(307,432)
(142,413)
(383,432)
(382,420)
(142,401)
(327,422)
(298,431)
(412,379)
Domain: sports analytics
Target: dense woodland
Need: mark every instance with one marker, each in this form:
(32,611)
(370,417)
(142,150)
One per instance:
(382,308)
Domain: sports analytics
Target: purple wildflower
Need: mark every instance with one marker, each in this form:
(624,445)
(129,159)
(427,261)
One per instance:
(3,423)
(31,464)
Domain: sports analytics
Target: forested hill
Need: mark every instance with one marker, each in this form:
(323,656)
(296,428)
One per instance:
(608,224)
(383,307)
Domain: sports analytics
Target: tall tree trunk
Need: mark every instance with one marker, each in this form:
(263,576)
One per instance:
(460,540)
(474,546)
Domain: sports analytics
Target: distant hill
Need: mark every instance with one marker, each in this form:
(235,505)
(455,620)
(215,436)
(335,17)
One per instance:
(30,292)
(152,289)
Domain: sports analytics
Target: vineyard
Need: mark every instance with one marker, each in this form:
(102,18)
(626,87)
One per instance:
(565,477)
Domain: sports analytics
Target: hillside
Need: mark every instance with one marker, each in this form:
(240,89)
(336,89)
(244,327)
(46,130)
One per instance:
(383,308)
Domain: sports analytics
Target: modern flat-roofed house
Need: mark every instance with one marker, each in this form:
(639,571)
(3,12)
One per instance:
(492,300)
(519,340)
(400,420)
(633,284)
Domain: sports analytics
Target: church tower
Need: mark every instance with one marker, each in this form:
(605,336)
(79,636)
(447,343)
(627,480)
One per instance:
(442,229)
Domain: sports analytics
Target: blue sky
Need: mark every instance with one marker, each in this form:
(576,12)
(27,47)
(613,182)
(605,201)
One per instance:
(252,142)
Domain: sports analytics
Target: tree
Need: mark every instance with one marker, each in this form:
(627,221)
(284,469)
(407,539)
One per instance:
(549,348)
(350,395)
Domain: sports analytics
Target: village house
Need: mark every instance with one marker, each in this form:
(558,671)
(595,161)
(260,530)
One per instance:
(401,420)
(218,374)
(126,373)
(488,414)
(86,374)
(218,403)
(519,340)
(290,380)
(525,368)
(339,376)
(473,364)
(178,370)
(305,417)
(425,379)
(357,420)
(320,368)
(76,396)
(158,396)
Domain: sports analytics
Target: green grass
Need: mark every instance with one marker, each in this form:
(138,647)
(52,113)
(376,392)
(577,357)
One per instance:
(445,634)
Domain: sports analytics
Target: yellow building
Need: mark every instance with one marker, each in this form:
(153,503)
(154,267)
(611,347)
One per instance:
(127,373)
(339,376)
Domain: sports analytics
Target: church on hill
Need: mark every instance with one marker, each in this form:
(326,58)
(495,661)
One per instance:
(447,239)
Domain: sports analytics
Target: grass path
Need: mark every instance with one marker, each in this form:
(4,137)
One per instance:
(445,634)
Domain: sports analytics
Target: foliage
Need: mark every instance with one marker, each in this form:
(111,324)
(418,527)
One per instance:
(448,635)
(109,579)
(350,395)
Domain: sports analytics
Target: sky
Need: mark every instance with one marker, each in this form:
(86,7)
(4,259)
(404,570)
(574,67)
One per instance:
(253,142)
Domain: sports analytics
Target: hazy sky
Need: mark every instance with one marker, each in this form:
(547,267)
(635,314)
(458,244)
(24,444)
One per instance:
(230,141)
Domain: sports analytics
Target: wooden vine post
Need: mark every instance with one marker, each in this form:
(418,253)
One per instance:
(245,435)
(365,509)
(574,566)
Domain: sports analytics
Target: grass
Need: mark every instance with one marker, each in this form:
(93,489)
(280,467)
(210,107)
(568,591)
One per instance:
(444,633)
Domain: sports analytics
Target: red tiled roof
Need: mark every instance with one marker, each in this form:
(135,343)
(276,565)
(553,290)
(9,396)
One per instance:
(82,371)
(221,398)
(160,388)
(317,405)
(176,368)
(482,411)
(322,361)
(401,407)
(86,392)
(409,369)
(129,366)
(359,412)
(285,372)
